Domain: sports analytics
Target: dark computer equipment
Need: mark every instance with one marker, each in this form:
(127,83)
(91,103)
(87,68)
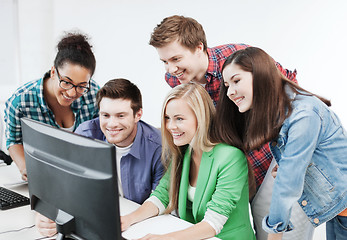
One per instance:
(6,158)
(10,199)
(72,180)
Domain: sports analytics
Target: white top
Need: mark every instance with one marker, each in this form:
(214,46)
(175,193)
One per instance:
(191,192)
(120,152)
(70,129)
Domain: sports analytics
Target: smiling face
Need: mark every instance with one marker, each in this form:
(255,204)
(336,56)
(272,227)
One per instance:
(117,121)
(180,121)
(70,73)
(240,86)
(183,63)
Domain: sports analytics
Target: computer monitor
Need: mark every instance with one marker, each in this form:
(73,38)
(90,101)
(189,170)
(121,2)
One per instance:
(73,181)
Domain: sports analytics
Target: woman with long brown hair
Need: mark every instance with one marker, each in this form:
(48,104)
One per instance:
(259,105)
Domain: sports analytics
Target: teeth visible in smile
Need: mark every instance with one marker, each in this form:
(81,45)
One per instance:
(114,130)
(67,97)
(177,134)
(239,100)
(179,74)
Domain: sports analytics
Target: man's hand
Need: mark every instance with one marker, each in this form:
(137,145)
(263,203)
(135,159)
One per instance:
(45,226)
(274,171)
(23,172)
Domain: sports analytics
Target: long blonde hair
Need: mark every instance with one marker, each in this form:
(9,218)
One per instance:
(201,104)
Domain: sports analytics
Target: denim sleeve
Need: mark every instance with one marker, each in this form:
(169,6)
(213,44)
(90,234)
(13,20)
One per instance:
(302,132)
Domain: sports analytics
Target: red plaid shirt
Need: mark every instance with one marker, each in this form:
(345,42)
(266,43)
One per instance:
(259,160)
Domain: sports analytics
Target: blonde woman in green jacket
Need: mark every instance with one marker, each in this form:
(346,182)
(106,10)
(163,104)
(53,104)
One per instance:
(206,183)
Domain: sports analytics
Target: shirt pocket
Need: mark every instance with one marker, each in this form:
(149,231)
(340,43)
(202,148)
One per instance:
(317,187)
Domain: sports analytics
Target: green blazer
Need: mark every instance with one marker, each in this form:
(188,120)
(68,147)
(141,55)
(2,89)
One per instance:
(222,186)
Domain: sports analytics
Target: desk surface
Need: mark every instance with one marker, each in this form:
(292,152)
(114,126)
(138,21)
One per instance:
(18,223)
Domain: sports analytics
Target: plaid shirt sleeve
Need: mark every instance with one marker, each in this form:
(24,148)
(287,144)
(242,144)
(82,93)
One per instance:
(13,130)
(260,161)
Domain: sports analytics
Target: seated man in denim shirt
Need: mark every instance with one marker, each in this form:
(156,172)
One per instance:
(138,145)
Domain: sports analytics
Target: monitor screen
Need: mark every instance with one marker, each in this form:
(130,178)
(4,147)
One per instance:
(72,180)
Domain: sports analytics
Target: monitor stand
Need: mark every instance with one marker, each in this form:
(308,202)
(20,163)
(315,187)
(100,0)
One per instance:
(61,236)
(66,226)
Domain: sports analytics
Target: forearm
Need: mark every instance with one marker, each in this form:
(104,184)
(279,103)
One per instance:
(200,230)
(17,154)
(146,210)
(274,236)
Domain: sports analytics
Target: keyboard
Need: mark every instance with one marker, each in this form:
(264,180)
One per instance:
(10,199)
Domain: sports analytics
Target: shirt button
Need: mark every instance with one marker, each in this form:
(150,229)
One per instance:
(274,144)
(304,203)
(316,220)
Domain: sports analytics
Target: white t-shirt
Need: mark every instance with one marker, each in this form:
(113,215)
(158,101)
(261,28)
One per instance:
(120,152)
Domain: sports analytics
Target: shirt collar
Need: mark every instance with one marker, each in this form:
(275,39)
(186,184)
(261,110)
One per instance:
(289,91)
(136,148)
(39,91)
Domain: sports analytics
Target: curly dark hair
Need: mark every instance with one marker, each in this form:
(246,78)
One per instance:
(74,48)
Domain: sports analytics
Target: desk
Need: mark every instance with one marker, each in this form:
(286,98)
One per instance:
(22,219)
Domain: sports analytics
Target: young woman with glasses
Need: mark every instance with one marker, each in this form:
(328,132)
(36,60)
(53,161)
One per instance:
(64,97)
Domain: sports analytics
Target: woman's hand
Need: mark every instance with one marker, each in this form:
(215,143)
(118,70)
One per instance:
(45,226)
(157,237)
(126,222)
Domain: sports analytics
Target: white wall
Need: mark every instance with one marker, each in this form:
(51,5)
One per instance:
(307,35)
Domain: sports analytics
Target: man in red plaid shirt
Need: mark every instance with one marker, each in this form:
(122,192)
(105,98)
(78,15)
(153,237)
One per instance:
(182,47)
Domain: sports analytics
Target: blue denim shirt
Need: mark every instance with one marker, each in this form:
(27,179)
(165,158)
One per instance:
(311,151)
(141,168)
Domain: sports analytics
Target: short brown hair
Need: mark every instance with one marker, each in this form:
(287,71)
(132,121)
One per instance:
(121,88)
(186,30)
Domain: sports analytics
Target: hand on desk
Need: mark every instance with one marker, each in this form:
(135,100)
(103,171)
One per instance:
(157,237)
(23,172)
(125,222)
(45,226)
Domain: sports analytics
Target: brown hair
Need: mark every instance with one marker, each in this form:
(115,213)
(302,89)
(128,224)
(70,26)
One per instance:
(202,106)
(186,30)
(270,106)
(121,88)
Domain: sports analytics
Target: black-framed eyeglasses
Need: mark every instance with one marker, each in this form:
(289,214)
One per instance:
(68,85)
